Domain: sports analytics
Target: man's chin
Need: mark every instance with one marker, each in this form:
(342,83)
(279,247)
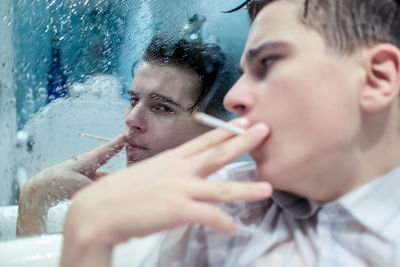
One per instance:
(130,162)
(133,160)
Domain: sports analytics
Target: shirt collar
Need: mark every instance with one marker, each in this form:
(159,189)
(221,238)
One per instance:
(376,205)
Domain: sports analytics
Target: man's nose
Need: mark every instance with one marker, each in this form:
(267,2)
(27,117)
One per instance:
(136,119)
(239,98)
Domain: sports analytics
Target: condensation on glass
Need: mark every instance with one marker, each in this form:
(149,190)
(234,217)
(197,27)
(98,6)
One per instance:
(66,67)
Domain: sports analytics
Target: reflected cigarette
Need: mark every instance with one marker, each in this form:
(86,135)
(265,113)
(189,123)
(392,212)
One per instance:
(100,138)
(216,123)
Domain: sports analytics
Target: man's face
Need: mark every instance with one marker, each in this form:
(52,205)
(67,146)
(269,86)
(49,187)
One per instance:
(158,118)
(306,93)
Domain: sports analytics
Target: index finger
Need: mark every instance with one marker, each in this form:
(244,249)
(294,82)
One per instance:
(215,157)
(211,138)
(89,162)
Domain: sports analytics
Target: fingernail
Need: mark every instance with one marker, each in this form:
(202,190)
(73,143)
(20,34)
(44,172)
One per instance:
(259,129)
(265,188)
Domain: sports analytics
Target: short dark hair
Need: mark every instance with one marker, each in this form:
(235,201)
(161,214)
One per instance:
(347,25)
(205,60)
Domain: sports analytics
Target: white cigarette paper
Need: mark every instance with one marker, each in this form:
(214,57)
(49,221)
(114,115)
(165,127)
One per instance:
(100,138)
(216,123)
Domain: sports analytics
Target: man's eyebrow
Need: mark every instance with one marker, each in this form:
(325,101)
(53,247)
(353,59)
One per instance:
(272,46)
(162,98)
(165,99)
(131,93)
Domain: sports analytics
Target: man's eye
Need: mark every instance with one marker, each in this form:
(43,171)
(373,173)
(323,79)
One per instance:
(268,61)
(162,109)
(134,101)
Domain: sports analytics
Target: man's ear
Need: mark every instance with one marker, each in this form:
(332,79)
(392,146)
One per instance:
(383,77)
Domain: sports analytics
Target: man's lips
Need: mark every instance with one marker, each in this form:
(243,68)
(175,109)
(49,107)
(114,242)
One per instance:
(130,146)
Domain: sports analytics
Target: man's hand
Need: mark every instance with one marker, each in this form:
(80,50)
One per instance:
(60,182)
(163,192)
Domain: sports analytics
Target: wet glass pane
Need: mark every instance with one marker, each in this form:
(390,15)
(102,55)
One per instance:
(67,82)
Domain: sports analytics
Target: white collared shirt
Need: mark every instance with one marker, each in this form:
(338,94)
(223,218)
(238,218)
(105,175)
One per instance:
(360,229)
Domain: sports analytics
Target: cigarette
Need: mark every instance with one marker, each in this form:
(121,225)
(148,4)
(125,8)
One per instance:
(216,123)
(100,138)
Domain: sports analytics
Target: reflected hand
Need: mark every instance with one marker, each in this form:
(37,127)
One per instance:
(60,182)
(163,192)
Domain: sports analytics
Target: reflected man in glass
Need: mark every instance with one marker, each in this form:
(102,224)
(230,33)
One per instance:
(169,85)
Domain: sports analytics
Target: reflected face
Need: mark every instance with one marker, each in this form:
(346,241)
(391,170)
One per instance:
(159,117)
(305,92)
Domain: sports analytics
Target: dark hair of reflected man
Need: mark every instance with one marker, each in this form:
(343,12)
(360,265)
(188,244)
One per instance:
(346,25)
(206,60)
